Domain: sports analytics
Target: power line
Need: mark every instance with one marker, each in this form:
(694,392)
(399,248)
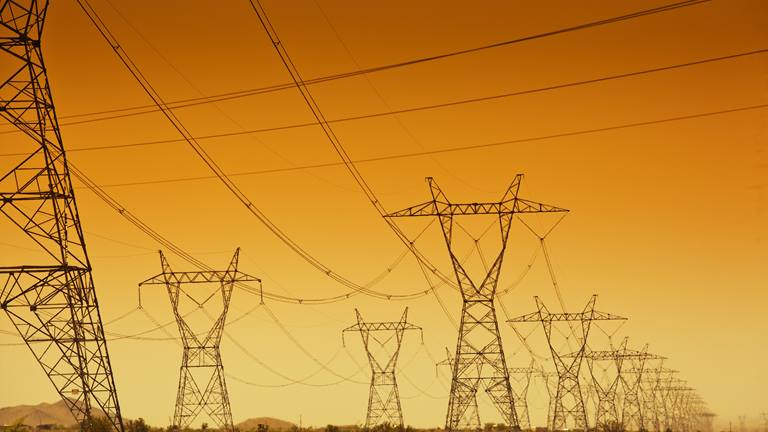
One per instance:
(456,149)
(228,183)
(145,109)
(418,108)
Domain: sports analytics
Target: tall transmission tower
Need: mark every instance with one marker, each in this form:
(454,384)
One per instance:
(479,359)
(471,419)
(520,393)
(201,377)
(384,398)
(51,301)
(569,400)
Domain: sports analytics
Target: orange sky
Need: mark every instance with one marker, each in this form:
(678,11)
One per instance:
(667,223)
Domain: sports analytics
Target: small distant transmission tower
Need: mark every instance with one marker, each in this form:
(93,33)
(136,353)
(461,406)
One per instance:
(632,415)
(550,383)
(650,382)
(521,393)
(765,421)
(51,301)
(201,378)
(569,400)
(742,423)
(607,408)
(479,359)
(471,419)
(384,398)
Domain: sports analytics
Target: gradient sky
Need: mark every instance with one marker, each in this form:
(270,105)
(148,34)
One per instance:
(667,223)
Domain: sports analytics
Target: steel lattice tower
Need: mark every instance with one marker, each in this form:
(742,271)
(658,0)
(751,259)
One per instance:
(549,378)
(479,360)
(649,381)
(384,398)
(471,419)
(632,412)
(569,400)
(521,395)
(607,408)
(52,303)
(201,359)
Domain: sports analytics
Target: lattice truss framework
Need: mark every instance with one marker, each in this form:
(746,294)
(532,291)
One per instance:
(52,303)
(479,361)
(625,379)
(383,339)
(568,407)
(520,382)
(471,417)
(202,386)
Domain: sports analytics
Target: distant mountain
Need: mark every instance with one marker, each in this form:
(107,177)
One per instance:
(33,415)
(273,423)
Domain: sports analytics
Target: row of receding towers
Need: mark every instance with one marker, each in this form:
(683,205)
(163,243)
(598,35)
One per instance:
(53,303)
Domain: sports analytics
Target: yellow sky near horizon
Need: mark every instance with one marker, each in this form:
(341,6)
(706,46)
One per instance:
(667,222)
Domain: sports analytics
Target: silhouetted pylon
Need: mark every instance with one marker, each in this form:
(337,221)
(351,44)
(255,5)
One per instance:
(569,400)
(201,376)
(630,416)
(520,389)
(52,299)
(479,359)
(550,384)
(384,397)
(471,419)
(649,382)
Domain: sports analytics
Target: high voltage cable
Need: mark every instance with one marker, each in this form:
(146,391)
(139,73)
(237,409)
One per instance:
(329,133)
(468,147)
(269,89)
(421,107)
(221,175)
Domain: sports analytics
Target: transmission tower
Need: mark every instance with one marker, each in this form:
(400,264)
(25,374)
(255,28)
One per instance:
(201,377)
(471,419)
(607,409)
(632,414)
(479,359)
(765,421)
(52,301)
(650,382)
(520,393)
(569,400)
(384,398)
(550,383)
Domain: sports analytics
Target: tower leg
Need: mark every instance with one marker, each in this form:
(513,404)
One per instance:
(53,302)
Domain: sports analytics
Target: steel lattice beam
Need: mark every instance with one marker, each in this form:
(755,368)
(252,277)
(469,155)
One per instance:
(52,304)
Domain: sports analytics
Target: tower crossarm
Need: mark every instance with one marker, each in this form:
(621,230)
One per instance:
(199,277)
(567,316)
(652,370)
(615,355)
(512,206)
(382,326)
(522,370)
